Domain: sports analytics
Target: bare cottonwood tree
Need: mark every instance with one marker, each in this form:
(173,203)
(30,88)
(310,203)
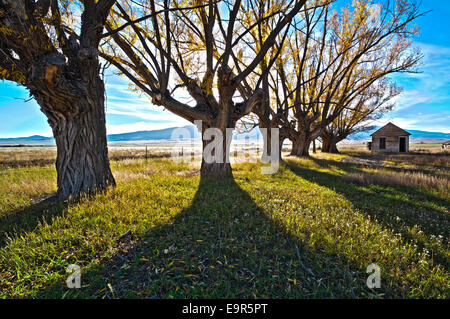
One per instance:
(266,117)
(370,105)
(331,61)
(194,45)
(40,50)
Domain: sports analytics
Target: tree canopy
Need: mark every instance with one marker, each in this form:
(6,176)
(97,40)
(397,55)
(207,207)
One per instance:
(332,59)
(197,46)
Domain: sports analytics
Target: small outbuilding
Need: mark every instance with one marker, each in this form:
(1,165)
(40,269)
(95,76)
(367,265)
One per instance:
(390,139)
(446,144)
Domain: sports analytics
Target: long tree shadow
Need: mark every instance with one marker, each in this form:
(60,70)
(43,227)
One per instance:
(387,205)
(27,219)
(422,197)
(222,246)
(348,164)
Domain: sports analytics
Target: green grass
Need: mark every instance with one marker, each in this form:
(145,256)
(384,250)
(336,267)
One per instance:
(19,185)
(301,233)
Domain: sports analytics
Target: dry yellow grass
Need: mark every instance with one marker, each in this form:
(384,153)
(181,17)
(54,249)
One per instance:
(403,179)
(31,156)
(414,148)
(430,159)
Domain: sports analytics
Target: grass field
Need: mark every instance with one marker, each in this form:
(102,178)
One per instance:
(308,231)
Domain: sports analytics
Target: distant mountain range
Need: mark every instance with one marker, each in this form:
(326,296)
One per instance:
(190,130)
(164,134)
(30,140)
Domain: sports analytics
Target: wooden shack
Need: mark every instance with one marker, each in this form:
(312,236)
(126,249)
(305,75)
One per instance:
(390,139)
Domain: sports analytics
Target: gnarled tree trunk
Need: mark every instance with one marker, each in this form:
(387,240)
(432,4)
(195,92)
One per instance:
(82,162)
(216,143)
(300,146)
(215,154)
(62,73)
(76,112)
(329,143)
(333,148)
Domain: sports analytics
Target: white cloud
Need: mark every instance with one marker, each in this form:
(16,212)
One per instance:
(163,116)
(410,98)
(403,123)
(122,101)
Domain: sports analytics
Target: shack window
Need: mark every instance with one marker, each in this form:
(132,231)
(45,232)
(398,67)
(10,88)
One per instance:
(382,143)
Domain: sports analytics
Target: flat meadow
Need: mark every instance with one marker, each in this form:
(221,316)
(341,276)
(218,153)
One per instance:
(308,231)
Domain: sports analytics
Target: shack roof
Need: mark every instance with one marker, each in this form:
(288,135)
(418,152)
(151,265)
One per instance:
(390,130)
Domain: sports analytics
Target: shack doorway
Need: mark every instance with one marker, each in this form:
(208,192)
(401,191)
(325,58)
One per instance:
(402,144)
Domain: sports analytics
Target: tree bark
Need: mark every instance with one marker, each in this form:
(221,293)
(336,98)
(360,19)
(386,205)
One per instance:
(333,148)
(329,143)
(216,161)
(75,110)
(82,162)
(300,146)
(325,143)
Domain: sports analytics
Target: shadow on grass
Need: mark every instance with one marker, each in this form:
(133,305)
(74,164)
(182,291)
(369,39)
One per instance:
(421,197)
(222,246)
(393,207)
(28,218)
(376,163)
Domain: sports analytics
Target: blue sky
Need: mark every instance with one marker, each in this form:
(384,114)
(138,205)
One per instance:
(424,104)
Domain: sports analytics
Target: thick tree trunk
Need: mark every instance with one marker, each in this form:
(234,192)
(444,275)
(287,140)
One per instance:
(300,147)
(329,143)
(63,75)
(325,143)
(78,124)
(215,155)
(82,160)
(333,148)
